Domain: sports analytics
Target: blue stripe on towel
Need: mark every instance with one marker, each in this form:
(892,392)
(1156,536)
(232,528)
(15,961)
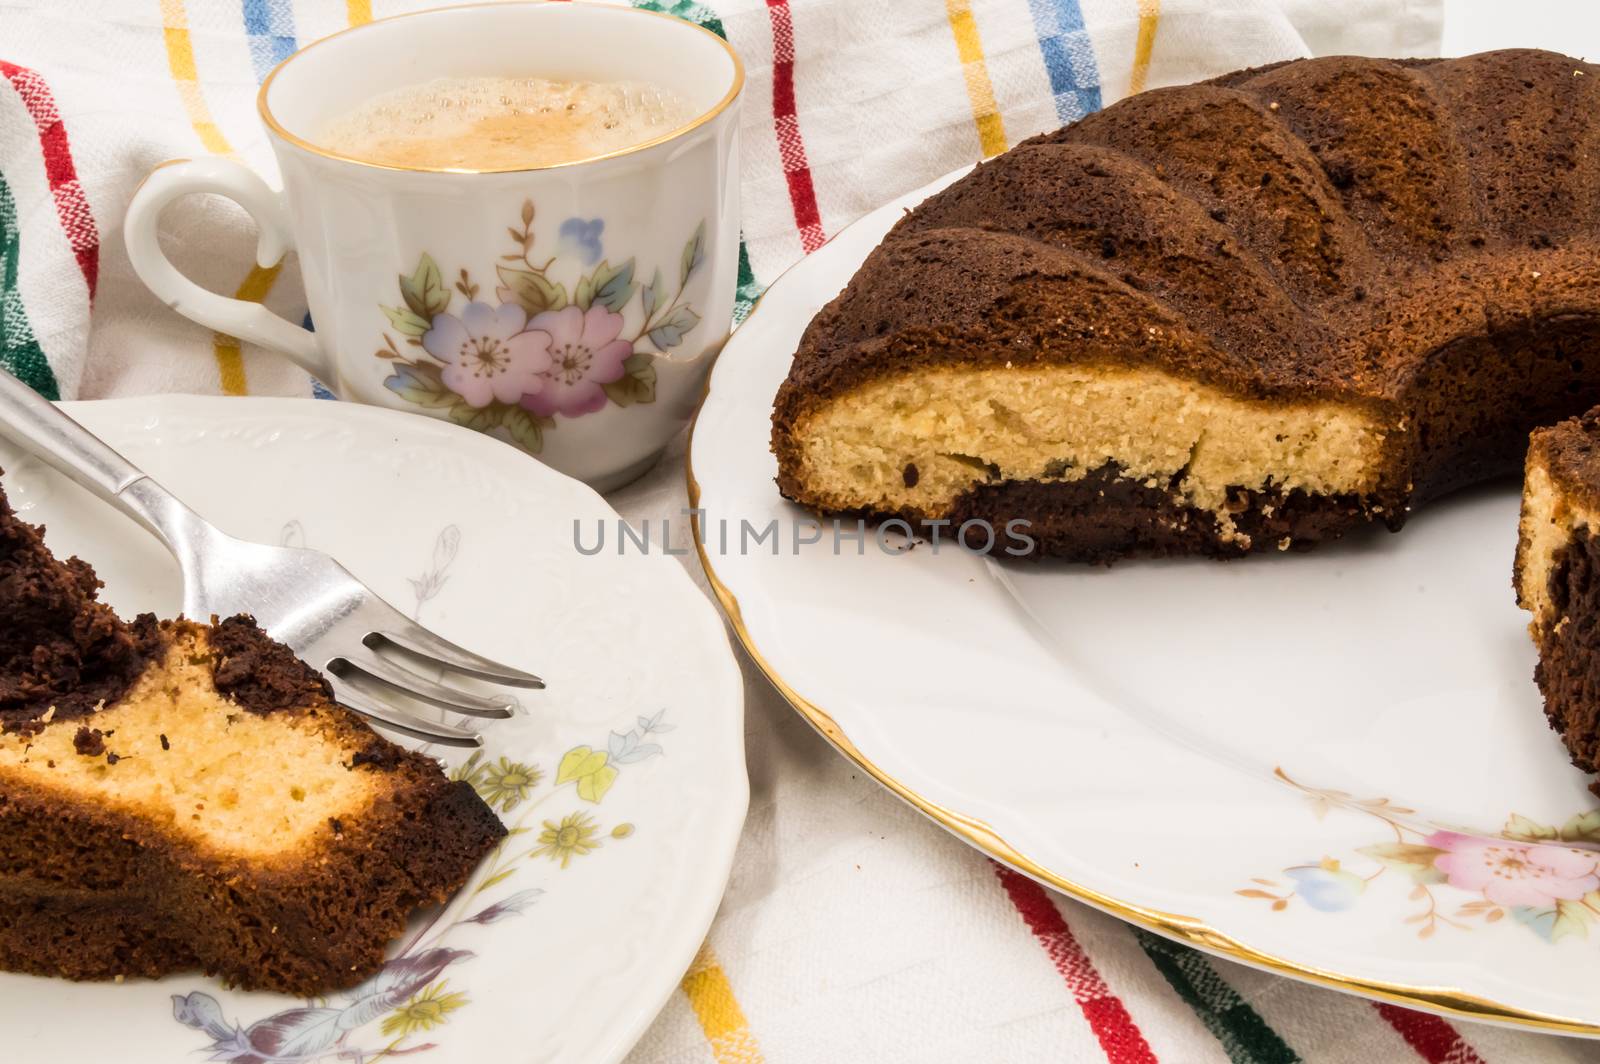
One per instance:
(1068,57)
(318,389)
(270,24)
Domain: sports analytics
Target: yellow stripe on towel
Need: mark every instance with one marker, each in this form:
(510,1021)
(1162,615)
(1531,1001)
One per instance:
(1149,18)
(980,90)
(230,359)
(709,992)
(180,57)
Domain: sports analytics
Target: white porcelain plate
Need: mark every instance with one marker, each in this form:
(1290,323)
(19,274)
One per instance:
(623,784)
(1332,765)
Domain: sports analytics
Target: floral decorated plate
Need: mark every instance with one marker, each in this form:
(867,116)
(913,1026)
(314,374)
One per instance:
(1334,765)
(623,783)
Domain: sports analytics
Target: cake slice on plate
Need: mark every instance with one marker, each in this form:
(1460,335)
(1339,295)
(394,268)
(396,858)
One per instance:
(1558,578)
(177,795)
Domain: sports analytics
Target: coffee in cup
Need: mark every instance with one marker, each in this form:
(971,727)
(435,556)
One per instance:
(503,123)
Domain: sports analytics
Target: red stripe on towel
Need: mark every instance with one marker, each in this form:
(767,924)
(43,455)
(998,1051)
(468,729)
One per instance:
(1434,1040)
(71,206)
(791,148)
(1119,1036)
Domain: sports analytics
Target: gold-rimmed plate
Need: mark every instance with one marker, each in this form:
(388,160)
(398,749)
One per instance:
(622,784)
(1334,766)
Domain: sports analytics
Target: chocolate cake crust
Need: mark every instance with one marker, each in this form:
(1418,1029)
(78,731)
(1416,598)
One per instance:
(1362,236)
(1571,452)
(259,673)
(59,647)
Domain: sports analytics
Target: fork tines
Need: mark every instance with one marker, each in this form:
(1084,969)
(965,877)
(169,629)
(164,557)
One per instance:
(361,677)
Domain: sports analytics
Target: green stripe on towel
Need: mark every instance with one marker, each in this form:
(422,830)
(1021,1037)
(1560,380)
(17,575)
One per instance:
(1244,1035)
(19,348)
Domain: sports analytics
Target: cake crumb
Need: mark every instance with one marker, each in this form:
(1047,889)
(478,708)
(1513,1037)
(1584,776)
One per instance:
(48,715)
(89,742)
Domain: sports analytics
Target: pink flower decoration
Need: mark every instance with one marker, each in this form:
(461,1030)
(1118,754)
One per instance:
(584,353)
(488,356)
(1515,873)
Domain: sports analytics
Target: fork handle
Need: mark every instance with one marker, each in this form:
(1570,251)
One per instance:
(31,420)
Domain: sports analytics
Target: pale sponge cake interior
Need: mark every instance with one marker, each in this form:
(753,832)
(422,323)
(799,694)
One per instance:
(177,754)
(1547,525)
(879,446)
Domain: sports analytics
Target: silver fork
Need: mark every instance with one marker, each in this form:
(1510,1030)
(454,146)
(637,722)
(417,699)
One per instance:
(302,598)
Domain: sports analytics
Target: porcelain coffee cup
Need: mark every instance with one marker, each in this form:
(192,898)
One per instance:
(572,310)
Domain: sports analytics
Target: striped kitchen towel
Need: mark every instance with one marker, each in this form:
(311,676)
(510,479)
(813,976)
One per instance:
(852,930)
(849,103)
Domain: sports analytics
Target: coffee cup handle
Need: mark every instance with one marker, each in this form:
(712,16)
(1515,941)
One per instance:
(236,317)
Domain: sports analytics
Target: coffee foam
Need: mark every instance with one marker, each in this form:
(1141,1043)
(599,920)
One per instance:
(497,123)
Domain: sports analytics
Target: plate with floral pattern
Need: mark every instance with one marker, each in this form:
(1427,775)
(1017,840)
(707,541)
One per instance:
(1331,765)
(623,783)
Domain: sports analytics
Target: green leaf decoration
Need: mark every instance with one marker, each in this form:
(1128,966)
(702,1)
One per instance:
(579,761)
(613,286)
(1572,918)
(474,417)
(1584,827)
(594,786)
(694,253)
(526,429)
(647,294)
(420,383)
(583,295)
(669,331)
(638,381)
(532,290)
(589,769)
(406,321)
(1521,828)
(1413,859)
(424,290)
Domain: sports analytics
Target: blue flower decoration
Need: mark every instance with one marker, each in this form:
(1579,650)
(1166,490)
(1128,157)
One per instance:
(1325,889)
(582,238)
